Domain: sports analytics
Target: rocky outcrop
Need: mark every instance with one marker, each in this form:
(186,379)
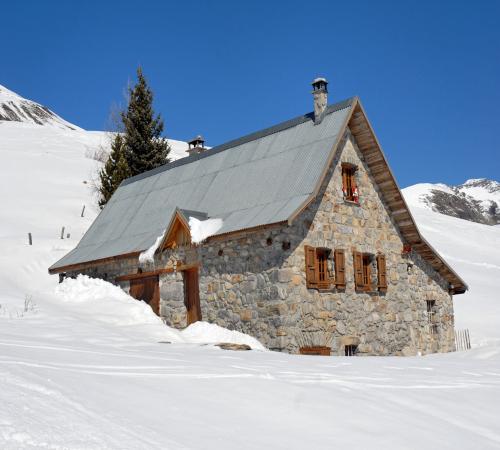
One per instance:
(18,109)
(475,200)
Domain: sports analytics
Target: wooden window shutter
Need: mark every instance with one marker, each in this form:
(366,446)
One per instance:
(354,187)
(358,270)
(344,181)
(311,269)
(382,273)
(339,256)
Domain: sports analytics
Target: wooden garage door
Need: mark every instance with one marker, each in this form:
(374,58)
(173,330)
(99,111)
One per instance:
(147,289)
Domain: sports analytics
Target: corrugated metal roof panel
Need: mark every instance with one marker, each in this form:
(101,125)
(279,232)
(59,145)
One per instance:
(255,180)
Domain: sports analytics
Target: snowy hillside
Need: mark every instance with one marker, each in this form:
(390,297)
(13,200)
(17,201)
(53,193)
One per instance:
(477,200)
(84,366)
(46,178)
(456,221)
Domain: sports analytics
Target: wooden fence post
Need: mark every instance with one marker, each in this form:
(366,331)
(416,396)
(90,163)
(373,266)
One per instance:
(62,233)
(83,210)
(30,239)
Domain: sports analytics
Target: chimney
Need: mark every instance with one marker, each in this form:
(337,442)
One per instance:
(196,145)
(320,94)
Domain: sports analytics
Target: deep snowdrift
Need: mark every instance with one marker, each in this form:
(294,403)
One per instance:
(93,300)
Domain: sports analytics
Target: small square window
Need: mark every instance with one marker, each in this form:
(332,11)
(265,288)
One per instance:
(350,350)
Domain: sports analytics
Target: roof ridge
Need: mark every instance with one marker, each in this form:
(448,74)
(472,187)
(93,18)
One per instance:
(239,141)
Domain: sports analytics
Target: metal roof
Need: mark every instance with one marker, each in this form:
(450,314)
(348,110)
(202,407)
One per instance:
(259,179)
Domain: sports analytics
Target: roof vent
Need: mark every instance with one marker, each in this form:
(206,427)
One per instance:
(196,145)
(320,94)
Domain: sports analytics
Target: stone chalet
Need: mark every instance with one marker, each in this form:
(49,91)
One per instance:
(318,252)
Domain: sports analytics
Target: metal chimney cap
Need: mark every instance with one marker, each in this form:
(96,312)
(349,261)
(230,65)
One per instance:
(320,83)
(197,140)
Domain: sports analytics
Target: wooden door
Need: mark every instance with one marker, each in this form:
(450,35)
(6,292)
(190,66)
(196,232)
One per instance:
(148,290)
(192,295)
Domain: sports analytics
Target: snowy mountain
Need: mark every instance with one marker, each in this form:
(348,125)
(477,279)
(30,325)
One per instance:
(15,108)
(477,200)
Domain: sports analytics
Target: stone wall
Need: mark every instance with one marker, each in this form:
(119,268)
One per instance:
(255,282)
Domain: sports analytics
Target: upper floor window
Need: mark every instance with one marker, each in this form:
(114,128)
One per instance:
(349,187)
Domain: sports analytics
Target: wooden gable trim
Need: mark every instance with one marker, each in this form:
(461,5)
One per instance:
(376,161)
(178,220)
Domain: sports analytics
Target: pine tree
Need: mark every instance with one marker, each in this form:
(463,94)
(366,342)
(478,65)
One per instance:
(145,148)
(115,170)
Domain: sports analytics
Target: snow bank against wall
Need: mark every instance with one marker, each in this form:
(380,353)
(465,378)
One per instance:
(94,300)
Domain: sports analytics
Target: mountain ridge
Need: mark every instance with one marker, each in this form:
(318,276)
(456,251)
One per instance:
(14,108)
(476,200)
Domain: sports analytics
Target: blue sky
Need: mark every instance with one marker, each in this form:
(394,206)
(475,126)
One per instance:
(428,73)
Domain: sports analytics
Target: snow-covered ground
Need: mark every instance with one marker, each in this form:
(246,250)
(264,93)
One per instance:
(83,366)
(69,383)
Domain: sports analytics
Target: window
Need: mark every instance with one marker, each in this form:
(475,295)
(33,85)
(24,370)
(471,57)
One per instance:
(431,316)
(350,350)
(362,271)
(318,267)
(349,188)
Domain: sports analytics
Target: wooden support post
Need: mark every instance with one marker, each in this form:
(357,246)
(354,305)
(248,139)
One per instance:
(83,210)
(30,239)
(62,233)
